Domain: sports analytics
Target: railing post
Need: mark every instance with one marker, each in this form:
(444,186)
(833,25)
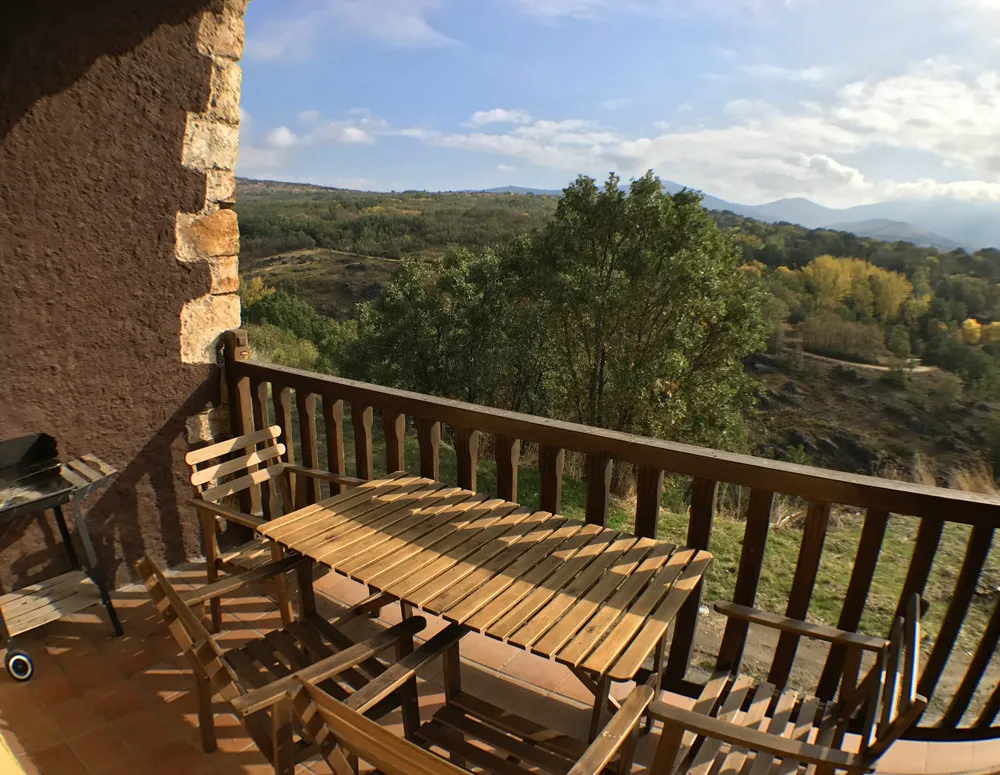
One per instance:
(648,493)
(429,440)
(507,453)
(699,533)
(467,457)
(394,431)
(598,487)
(551,462)
(361,419)
(333,424)
(236,348)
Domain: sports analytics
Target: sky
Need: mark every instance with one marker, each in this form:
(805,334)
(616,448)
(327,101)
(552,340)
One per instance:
(842,101)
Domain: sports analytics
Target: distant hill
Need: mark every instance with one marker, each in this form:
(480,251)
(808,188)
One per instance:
(518,190)
(889,230)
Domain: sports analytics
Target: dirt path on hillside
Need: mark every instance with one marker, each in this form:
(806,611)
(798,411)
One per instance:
(865,366)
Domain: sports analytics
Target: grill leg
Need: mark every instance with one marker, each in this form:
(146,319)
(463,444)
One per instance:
(66,539)
(92,568)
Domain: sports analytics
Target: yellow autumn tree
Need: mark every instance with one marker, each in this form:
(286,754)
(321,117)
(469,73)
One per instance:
(971,331)
(890,290)
(990,333)
(830,280)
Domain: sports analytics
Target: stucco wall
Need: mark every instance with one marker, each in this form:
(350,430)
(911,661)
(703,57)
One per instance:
(117,266)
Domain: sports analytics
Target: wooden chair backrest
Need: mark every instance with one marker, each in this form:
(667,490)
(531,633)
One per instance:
(326,720)
(895,704)
(239,465)
(188,630)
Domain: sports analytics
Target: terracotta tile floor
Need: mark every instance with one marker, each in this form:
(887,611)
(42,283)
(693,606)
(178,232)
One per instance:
(100,704)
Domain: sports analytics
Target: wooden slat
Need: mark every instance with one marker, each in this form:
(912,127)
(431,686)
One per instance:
(974,672)
(572,568)
(618,605)
(699,534)
(60,596)
(507,452)
(648,494)
(96,463)
(333,424)
(260,487)
(777,725)
(429,441)
(730,711)
(598,476)
(205,475)
(394,431)
(575,590)
(655,626)
(980,541)
(890,690)
(361,419)
(488,591)
(537,577)
(747,577)
(88,473)
(810,552)
(551,462)
(236,485)
(204,454)
(600,596)
(439,735)
(306,404)
(754,718)
(924,550)
(467,455)
(856,597)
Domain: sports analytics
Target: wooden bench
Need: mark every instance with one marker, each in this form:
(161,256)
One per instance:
(255,679)
(249,469)
(741,725)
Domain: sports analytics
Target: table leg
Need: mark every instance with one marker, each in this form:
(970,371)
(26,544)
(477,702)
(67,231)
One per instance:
(656,679)
(405,609)
(452,664)
(602,695)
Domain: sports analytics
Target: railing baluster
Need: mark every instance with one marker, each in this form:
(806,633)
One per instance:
(242,422)
(751,560)
(261,495)
(598,487)
(551,462)
(361,419)
(869,548)
(699,533)
(928,538)
(974,672)
(813,536)
(429,440)
(467,453)
(306,404)
(333,423)
(394,430)
(507,452)
(283,417)
(990,709)
(980,540)
(648,494)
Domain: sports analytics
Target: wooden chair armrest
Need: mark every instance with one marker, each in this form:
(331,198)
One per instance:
(754,739)
(232,583)
(798,627)
(350,481)
(265,696)
(232,515)
(615,734)
(398,674)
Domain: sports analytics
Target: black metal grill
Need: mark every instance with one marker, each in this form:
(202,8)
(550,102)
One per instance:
(30,476)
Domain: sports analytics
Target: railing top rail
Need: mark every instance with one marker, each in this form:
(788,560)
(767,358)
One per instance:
(745,470)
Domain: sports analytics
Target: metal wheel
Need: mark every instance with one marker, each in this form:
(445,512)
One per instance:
(19,665)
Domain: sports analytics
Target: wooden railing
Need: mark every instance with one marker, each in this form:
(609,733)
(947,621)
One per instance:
(254,387)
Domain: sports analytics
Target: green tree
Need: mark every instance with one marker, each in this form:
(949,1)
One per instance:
(646,312)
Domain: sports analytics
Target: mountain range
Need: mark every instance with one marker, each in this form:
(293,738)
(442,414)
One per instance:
(945,224)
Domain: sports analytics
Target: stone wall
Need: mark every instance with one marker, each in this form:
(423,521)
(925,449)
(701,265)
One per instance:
(118,254)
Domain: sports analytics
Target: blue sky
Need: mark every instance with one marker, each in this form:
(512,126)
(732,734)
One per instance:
(841,101)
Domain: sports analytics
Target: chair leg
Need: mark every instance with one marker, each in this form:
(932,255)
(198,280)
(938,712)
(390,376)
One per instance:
(409,704)
(281,588)
(665,758)
(206,718)
(211,549)
(283,746)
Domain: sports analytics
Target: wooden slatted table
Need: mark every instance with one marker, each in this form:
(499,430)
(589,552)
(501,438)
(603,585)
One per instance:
(592,598)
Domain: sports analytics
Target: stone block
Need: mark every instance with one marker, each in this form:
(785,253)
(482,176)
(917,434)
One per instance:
(224,102)
(222,34)
(208,426)
(210,144)
(203,320)
(207,236)
(225,274)
(220,186)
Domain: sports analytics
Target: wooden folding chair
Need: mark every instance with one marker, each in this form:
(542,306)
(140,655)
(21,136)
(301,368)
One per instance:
(250,470)
(738,724)
(257,680)
(502,746)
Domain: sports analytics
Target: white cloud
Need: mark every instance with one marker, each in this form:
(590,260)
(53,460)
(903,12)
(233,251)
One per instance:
(500,116)
(282,137)
(394,23)
(810,75)
(757,151)
(685,107)
(506,168)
